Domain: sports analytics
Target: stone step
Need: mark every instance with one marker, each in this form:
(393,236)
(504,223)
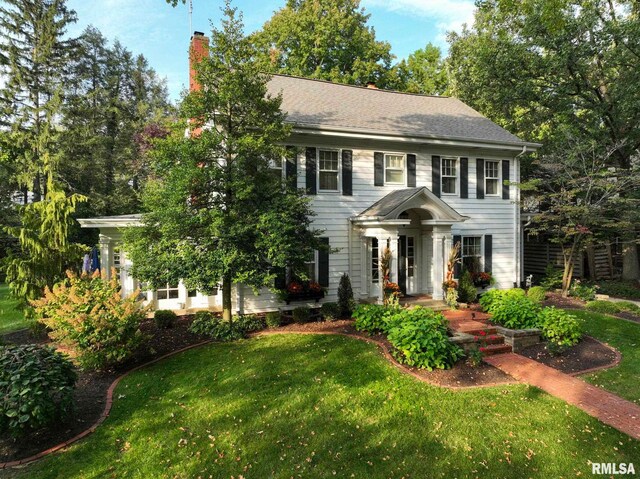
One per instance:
(494,349)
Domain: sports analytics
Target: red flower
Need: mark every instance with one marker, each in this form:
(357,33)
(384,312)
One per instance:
(482,350)
(315,287)
(483,333)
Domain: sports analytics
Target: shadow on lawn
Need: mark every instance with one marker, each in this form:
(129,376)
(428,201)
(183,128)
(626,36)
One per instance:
(308,406)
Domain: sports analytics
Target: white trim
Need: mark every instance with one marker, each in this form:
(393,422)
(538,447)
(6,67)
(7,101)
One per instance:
(498,192)
(404,169)
(339,152)
(422,139)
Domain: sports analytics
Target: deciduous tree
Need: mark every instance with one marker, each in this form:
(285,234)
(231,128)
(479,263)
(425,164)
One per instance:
(215,213)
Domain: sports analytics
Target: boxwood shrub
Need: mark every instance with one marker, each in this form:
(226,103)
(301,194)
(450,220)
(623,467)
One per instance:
(537,294)
(165,318)
(36,387)
(273,319)
(330,311)
(419,339)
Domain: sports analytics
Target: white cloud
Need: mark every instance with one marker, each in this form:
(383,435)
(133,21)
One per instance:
(447,14)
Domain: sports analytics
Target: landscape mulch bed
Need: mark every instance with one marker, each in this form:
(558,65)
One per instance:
(461,375)
(557,300)
(91,389)
(587,354)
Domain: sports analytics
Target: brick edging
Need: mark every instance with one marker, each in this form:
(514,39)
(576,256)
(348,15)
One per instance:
(103,416)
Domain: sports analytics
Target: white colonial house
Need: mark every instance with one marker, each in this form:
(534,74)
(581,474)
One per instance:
(412,172)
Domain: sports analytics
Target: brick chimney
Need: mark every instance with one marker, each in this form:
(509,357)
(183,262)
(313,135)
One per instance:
(198,50)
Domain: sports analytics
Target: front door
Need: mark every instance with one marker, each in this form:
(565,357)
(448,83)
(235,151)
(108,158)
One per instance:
(406,264)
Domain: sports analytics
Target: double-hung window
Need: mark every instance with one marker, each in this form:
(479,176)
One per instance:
(170,291)
(312,270)
(491,178)
(471,253)
(328,177)
(277,166)
(449,176)
(394,169)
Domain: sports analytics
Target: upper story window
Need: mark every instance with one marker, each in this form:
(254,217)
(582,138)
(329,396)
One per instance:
(328,176)
(394,169)
(449,176)
(492,178)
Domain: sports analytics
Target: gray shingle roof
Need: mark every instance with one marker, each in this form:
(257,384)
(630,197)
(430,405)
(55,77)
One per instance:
(390,202)
(322,104)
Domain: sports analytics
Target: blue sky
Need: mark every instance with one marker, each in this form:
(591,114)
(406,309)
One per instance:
(161,33)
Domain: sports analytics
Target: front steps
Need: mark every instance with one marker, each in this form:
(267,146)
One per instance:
(470,331)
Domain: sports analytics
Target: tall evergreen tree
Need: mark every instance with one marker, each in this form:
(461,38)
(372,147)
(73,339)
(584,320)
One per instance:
(32,38)
(111,95)
(215,211)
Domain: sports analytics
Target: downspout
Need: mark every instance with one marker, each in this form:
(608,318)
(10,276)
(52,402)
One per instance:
(517,227)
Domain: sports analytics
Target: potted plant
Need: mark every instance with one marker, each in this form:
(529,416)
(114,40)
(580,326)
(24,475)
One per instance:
(301,291)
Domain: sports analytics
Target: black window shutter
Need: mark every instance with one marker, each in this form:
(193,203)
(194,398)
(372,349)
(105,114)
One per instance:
(479,178)
(323,263)
(411,170)
(505,179)
(457,267)
(488,252)
(281,278)
(347,172)
(464,177)
(291,171)
(378,167)
(435,175)
(311,171)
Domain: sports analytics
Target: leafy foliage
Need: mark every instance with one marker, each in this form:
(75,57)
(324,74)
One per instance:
(424,71)
(606,307)
(560,328)
(330,311)
(300,39)
(214,211)
(552,278)
(36,387)
(250,323)
(467,291)
(374,318)
(301,314)
(273,319)
(165,318)
(420,339)
(537,294)
(619,288)
(89,315)
(212,326)
(629,306)
(346,303)
(585,292)
(494,297)
(515,311)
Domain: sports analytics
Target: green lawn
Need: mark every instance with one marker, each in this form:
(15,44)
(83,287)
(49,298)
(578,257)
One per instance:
(11,319)
(327,406)
(625,337)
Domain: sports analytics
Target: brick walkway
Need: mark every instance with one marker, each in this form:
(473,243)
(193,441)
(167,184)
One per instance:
(605,406)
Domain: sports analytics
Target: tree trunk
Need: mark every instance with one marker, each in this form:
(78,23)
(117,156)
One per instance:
(568,271)
(226,298)
(630,263)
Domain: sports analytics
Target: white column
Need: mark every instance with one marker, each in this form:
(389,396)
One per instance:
(106,254)
(441,249)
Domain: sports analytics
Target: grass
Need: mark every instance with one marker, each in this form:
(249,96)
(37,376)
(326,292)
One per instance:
(327,406)
(625,337)
(11,319)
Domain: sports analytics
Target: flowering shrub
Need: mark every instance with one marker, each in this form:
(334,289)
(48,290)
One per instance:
(89,315)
